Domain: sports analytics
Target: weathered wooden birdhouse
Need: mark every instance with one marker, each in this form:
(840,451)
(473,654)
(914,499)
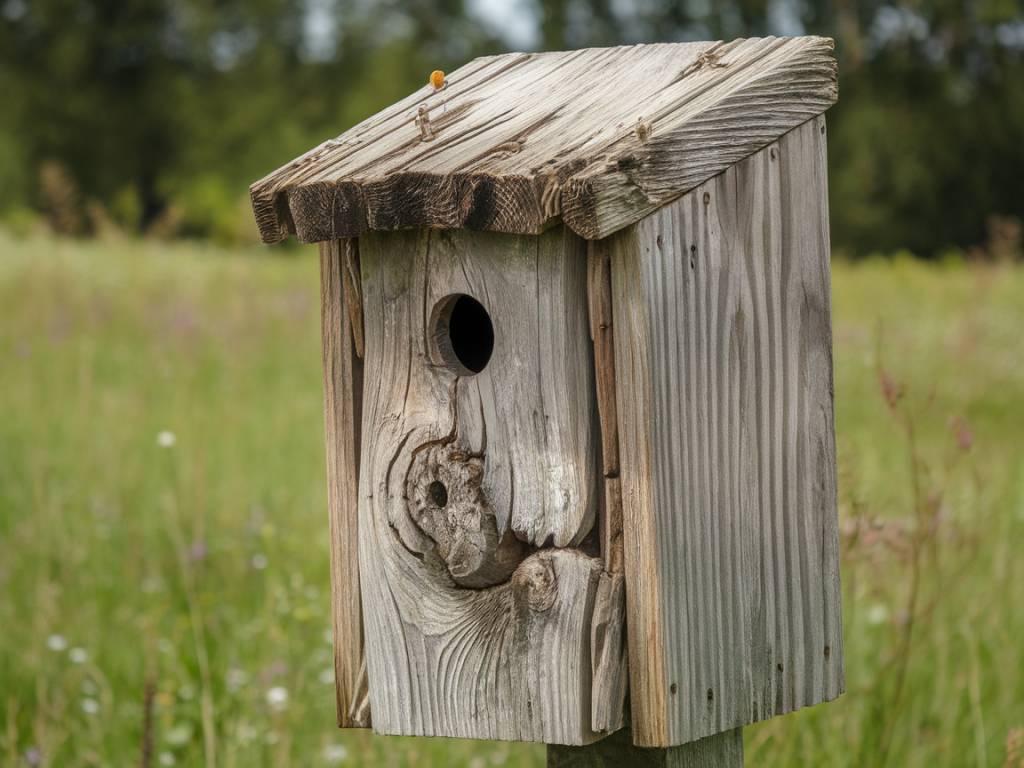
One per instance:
(578,391)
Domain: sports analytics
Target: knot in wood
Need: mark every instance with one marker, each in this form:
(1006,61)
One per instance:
(447,502)
(535,583)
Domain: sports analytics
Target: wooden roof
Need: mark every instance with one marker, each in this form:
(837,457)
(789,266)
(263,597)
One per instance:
(599,137)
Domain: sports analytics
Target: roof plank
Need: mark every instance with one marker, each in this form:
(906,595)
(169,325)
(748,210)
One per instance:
(600,137)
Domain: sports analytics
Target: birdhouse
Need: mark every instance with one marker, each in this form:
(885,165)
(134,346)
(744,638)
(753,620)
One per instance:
(578,393)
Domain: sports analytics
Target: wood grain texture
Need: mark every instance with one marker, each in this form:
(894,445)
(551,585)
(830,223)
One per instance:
(736,104)
(609,659)
(600,136)
(515,447)
(343,385)
(599,302)
(353,290)
(724,389)
(608,640)
(723,750)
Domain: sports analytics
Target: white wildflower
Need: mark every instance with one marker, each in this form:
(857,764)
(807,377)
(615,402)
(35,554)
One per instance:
(277,697)
(259,561)
(78,655)
(335,753)
(166,439)
(236,678)
(166,758)
(246,732)
(178,735)
(877,614)
(90,706)
(57,643)
(327,676)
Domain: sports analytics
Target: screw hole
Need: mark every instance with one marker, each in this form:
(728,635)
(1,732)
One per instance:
(463,334)
(438,493)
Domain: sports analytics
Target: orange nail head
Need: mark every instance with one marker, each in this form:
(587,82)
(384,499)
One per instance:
(437,79)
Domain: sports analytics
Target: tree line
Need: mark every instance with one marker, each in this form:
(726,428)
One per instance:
(152,116)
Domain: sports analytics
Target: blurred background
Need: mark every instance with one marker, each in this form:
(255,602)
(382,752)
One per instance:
(164,587)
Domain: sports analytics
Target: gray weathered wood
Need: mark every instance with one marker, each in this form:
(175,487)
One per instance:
(600,136)
(734,106)
(342,411)
(608,640)
(723,750)
(609,660)
(516,449)
(724,389)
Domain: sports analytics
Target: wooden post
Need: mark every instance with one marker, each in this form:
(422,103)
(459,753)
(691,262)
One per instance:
(723,750)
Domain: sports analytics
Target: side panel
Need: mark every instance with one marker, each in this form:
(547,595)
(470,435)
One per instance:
(724,385)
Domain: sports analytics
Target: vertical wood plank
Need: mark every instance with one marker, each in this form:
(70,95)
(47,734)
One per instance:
(343,384)
(724,387)
(608,641)
(723,750)
(463,469)
(648,692)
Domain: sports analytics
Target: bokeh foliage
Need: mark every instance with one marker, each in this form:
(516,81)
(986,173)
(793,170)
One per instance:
(154,115)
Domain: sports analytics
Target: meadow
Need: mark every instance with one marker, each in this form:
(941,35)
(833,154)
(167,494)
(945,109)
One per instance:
(164,585)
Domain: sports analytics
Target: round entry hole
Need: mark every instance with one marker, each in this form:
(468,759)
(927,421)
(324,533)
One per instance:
(463,333)
(438,493)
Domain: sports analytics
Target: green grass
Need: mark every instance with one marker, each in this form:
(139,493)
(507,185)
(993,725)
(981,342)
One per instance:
(202,568)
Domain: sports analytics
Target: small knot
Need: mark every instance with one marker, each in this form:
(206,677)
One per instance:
(535,583)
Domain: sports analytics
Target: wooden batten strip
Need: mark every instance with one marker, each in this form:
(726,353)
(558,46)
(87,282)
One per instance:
(608,640)
(353,287)
(648,692)
(599,299)
(343,383)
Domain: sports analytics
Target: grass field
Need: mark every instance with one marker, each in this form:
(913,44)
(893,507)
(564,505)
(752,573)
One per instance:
(163,531)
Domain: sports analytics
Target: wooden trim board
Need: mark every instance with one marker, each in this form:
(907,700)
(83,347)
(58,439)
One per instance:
(343,384)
